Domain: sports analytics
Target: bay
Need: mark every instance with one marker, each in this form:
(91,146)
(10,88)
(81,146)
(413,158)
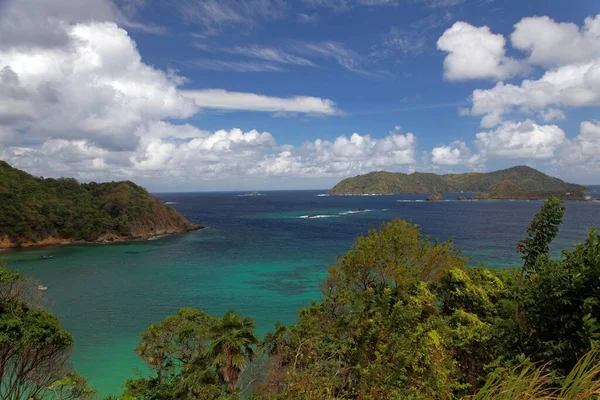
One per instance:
(263,256)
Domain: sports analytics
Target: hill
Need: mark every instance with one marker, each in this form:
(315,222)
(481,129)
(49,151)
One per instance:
(37,211)
(519,182)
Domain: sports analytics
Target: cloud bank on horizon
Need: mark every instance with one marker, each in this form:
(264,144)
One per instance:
(228,98)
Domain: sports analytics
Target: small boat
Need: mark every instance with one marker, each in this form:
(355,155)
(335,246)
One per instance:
(42,287)
(47,257)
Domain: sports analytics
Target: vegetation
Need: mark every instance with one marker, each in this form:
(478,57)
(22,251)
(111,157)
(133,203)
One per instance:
(514,183)
(46,211)
(404,317)
(34,348)
(401,317)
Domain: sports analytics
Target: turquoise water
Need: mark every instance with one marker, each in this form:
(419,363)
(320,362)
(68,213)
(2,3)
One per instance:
(257,256)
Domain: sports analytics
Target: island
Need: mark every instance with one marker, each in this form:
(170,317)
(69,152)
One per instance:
(435,197)
(36,211)
(519,183)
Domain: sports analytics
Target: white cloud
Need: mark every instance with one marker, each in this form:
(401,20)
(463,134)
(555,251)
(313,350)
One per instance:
(454,154)
(187,154)
(552,114)
(228,152)
(222,99)
(345,5)
(215,15)
(552,43)
(521,140)
(347,58)
(308,18)
(270,54)
(573,85)
(583,152)
(476,53)
(342,157)
(233,66)
(97,88)
(27,23)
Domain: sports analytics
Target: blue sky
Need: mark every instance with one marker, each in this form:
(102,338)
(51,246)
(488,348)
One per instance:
(211,95)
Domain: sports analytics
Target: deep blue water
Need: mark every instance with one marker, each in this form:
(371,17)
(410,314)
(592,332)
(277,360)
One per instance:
(257,256)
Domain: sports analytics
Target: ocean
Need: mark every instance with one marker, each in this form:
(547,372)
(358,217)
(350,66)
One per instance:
(263,256)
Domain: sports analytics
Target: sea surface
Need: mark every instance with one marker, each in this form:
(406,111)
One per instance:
(263,256)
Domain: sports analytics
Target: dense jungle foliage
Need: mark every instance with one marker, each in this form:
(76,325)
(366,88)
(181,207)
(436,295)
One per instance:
(35,209)
(401,317)
(520,182)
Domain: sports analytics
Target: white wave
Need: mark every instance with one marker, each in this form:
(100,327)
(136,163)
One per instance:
(170,202)
(322,195)
(410,201)
(355,211)
(318,216)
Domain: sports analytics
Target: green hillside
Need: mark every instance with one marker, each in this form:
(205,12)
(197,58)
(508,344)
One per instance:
(515,182)
(47,211)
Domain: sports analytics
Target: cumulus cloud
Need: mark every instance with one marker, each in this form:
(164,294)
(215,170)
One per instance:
(454,154)
(571,53)
(552,114)
(97,89)
(552,43)
(573,85)
(521,140)
(34,23)
(343,156)
(186,153)
(583,151)
(476,53)
(225,100)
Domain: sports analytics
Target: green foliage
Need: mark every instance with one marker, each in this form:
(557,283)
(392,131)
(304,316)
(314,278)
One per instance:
(232,339)
(194,356)
(542,230)
(381,330)
(537,383)
(71,387)
(403,317)
(561,304)
(516,182)
(33,209)
(34,348)
(174,342)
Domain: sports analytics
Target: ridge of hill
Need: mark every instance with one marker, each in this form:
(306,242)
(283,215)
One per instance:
(520,182)
(36,211)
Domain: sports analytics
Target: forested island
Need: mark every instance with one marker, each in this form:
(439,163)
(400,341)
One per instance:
(520,182)
(36,211)
(400,317)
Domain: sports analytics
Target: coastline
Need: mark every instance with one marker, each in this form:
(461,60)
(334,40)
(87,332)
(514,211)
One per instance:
(533,198)
(5,245)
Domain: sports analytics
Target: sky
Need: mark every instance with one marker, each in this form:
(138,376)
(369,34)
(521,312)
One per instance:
(193,95)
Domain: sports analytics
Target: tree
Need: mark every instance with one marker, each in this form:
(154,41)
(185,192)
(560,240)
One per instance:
(34,348)
(561,305)
(542,230)
(175,341)
(231,347)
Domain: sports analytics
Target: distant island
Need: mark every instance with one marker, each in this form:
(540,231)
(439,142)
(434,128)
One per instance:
(520,182)
(37,211)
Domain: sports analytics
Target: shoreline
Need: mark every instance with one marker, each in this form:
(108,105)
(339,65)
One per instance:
(469,199)
(49,242)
